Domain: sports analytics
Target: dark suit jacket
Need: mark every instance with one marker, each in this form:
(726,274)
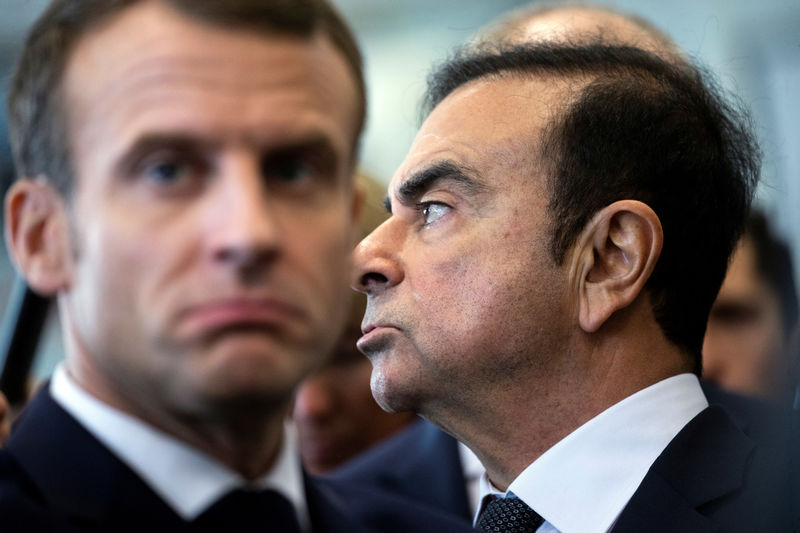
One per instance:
(421,463)
(55,476)
(727,470)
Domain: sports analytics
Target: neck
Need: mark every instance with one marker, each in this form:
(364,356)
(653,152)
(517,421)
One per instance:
(246,438)
(523,420)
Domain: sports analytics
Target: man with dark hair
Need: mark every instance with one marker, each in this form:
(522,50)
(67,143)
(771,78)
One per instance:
(559,230)
(747,347)
(185,191)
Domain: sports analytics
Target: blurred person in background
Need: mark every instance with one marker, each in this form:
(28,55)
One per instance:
(185,190)
(334,412)
(747,347)
(579,23)
(5,419)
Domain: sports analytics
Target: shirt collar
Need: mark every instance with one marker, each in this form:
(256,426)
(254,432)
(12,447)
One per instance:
(188,480)
(583,483)
(470,464)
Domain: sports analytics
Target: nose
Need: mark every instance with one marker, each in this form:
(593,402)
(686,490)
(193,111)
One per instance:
(377,265)
(245,231)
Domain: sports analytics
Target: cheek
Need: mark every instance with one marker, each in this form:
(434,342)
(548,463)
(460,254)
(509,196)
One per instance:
(133,268)
(467,293)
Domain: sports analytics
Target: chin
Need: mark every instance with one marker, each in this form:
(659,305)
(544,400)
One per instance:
(391,394)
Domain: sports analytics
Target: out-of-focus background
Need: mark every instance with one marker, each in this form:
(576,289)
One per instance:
(753,47)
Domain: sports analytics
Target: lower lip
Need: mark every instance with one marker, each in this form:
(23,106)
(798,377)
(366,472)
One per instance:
(373,337)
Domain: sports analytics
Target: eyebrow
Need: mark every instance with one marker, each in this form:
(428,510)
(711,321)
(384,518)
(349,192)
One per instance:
(188,142)
(419,182)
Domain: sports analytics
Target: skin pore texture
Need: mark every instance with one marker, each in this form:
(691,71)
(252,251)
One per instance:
(200,264)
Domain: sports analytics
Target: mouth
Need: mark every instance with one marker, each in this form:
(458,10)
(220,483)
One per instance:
(231,313)
(376,337)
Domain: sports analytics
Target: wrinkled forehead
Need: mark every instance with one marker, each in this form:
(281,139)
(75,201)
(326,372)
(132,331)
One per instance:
(488,122)
(150,52)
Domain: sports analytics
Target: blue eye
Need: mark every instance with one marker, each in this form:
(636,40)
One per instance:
(166,172)
(433,211)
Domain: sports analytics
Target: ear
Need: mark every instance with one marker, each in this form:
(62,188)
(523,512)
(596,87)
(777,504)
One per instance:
(618,251)
(37,235)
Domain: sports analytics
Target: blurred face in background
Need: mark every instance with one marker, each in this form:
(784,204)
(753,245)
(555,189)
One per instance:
(335,413)
(745,343)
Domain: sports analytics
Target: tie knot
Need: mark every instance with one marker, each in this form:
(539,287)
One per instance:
(243,510)
(509,515)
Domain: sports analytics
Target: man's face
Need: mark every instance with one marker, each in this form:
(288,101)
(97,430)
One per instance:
(213,210)
(462,290)
(743,349)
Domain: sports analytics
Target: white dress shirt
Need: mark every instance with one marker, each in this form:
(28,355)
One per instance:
(473,472)
(582,484)
(188,480)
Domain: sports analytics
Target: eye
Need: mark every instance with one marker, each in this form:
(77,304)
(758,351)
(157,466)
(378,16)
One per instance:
(433,211)
(170,173)
(166,172)
(736,314)
(290,170)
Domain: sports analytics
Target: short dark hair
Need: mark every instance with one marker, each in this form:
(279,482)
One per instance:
(773,261)
(637,128)
(37,121)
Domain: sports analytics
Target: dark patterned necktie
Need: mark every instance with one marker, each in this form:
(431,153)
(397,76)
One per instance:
(246,511)
(509,515)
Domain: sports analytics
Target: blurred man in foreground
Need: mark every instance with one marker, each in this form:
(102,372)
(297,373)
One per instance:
(185,191)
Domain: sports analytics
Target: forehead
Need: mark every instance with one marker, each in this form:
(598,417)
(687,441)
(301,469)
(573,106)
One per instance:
(742,273)
(485,124)
(150,58)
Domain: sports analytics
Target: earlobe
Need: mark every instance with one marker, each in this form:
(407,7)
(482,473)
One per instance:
(621,246)
(37,235)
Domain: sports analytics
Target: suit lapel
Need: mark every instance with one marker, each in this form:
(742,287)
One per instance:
(443,477)
(703,463)
(77,477)
(328,510)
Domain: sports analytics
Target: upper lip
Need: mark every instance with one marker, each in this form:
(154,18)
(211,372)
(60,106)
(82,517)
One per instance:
(254,305)
(366,328)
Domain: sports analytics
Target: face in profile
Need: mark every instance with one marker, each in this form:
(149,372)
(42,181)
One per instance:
(460,282)
(745,343)
(213,210)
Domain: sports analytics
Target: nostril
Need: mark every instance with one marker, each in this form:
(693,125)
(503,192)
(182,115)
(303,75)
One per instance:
(371,279)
